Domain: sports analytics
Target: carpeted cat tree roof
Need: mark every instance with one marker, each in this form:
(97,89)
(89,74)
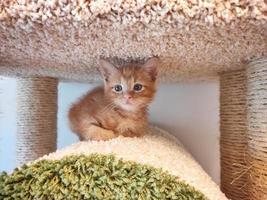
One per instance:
(64,39)
(42,42)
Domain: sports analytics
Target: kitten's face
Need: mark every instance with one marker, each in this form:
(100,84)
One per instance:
(130,87)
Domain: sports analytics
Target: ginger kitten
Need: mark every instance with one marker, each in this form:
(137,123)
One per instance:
(119,107)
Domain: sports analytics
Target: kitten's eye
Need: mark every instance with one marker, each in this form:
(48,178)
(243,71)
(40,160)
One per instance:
(117,88)
(138,87)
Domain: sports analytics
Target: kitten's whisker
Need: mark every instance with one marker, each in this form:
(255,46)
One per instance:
(109,107)
(106,107)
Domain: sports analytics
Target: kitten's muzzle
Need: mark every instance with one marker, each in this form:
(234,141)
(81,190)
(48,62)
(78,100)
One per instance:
(127,98)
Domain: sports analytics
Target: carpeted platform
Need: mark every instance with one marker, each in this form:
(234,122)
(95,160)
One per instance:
(194,39)
(181,175)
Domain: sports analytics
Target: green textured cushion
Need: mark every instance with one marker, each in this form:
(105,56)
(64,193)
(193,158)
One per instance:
(93,177)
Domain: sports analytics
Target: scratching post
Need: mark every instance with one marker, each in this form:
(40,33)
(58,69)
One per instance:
(257,128)
(36,118)
(233,142)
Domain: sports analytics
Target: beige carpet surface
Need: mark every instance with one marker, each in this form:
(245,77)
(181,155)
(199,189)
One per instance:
(158,149)
(193,38)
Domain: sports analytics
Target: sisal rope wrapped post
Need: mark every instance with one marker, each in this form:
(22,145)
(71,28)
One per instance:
(233,141)
(36,118)
(257,128)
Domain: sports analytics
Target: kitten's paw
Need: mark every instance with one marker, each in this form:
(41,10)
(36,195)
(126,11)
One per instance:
(103,135)
(98,133)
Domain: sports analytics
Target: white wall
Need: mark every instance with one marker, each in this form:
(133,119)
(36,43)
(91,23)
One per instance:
(189,111)
(7,124)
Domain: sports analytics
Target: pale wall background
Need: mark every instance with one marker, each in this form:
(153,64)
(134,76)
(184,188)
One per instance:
(188,111)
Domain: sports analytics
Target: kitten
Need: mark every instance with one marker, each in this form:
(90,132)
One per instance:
(120,106)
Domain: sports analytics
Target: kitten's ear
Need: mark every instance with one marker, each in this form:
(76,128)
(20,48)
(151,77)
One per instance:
(151,66)
(107,69)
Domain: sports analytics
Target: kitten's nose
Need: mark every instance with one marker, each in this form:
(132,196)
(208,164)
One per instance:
(127,96)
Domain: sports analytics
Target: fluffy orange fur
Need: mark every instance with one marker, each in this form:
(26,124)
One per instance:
(120,106)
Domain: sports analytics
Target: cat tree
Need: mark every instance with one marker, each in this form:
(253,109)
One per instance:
(63,40)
